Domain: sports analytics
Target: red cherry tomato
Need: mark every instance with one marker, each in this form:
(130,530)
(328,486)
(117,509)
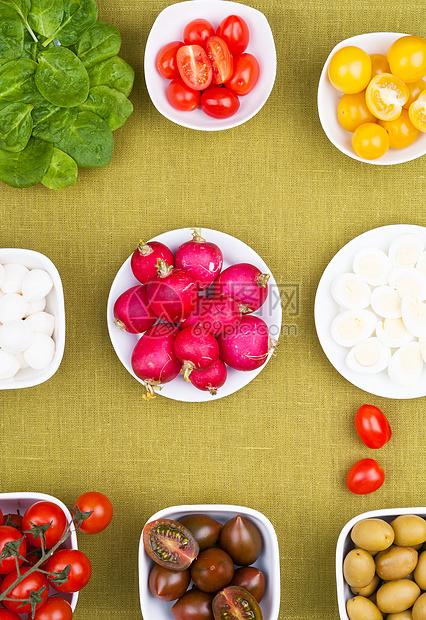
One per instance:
(5,614)
(166,60)
(55,608)
(194,66)
(181,97)
(35,582)
(365,476)
(220,58)
(11,534)
(79,573)
(372,426)
(197,32)
(43,513)
(219,102)
(245,74)
(235,32)
(100,507)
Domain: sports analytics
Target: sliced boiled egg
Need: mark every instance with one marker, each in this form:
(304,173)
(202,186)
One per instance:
(414,316)
(408,281)
(350,291)
(405,250)
(386,302)
(406,365)
(393,333)
(351,327)
(368,357)
(372,265)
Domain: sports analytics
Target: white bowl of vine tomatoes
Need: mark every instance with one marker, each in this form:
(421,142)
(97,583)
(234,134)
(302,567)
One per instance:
(169,26)
(268,561)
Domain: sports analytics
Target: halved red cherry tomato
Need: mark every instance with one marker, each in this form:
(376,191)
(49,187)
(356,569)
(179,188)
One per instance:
(235,32)
(194,66)
(220,58)
(372,426)
(169,544)
(365,476)
(219,102)
(197,32)
(166,60)
(245,74)
(181,97)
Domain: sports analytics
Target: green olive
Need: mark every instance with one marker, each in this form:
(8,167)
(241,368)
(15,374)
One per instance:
(419,608)
(369,589)
(358,568)
(402,615)
(361,608)
(396,562)
(409,530)
(396,596)
(372,535)
(420,571)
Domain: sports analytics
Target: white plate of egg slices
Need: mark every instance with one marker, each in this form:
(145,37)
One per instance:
(370,311)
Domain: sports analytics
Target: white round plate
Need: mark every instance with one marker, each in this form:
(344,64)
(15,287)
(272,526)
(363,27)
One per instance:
(328,100)
(326,309)
(169,26)
(234,251)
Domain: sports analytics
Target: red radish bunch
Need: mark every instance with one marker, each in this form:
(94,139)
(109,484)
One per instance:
(191,317)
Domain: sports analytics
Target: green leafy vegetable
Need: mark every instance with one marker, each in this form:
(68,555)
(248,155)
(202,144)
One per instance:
(61,77)
(11,34)
(22,7)
(62,171)
(100,42)
(27,167)
(89,141)
(109,104)
(16,125)
(52,122)
(17,81)
(79,15)
(46,16)
(113,72)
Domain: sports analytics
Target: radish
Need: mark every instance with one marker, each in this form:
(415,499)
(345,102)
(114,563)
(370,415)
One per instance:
(132,312)
(210,380)
(248,346)
(153,359)
(218,315)
(144,260)
(172,294)
(245,283)
(203,259)
(197,349)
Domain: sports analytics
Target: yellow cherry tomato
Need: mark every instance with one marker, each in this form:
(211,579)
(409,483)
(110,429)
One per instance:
(407,58)
(417,112)
(379,64)
(352,111)
(414,89)
(385,95)
(350,69)
(401,131)
(370,141)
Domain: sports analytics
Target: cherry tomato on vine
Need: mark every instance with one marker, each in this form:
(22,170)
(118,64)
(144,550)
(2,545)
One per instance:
(6,614)
(220,59)
(181,97)
(365,476)
(197,32)
(11,534)
(166,60)
(219,102)
(235,32)
(43,513)
(35,582)
(100,507)
(244,75)
(79,573)
(14,520)
(194,66)
(372,426)
(55,608)
(1,518)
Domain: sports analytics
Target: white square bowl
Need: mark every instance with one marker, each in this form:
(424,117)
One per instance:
(19,502)
(345,544)
(28,377)
(268,561)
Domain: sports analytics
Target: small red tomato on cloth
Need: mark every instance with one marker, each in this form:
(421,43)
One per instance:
(365,476)
(372,426)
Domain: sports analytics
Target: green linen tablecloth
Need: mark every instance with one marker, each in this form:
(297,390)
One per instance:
(284,443)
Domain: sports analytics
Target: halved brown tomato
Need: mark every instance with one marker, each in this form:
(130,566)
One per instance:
(235,603)
(170,544)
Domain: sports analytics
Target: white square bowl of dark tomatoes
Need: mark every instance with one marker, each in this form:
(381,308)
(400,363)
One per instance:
(16,504)
(266,565)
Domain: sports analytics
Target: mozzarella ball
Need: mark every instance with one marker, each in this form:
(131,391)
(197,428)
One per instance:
(12,307)
(14,275)
(40,352)
(36,284)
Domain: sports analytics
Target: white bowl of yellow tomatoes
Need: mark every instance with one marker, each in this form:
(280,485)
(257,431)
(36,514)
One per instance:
(372,97)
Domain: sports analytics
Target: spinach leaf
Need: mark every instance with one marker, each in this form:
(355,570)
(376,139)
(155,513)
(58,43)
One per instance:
(109,104)
(51,122)
(61,77)
(89,141)
(22,7)
(62,171)
(100,42)
(27,167)
(11,34)
(16,125)
(79,15)
(115,73)
(46,16)
(17,81)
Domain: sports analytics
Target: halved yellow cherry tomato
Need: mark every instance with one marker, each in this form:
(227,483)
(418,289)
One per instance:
(352,111)
(370,141)
(407,58)
(414,88)
(379,64)
(350,69)
(401,131)
(385,95)
(417,112)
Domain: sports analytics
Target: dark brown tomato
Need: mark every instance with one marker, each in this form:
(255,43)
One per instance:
(212,570)
(251,579)
(242,540)
(168,585)
(205,529)
(194,605)
(235,603)
(170,544)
